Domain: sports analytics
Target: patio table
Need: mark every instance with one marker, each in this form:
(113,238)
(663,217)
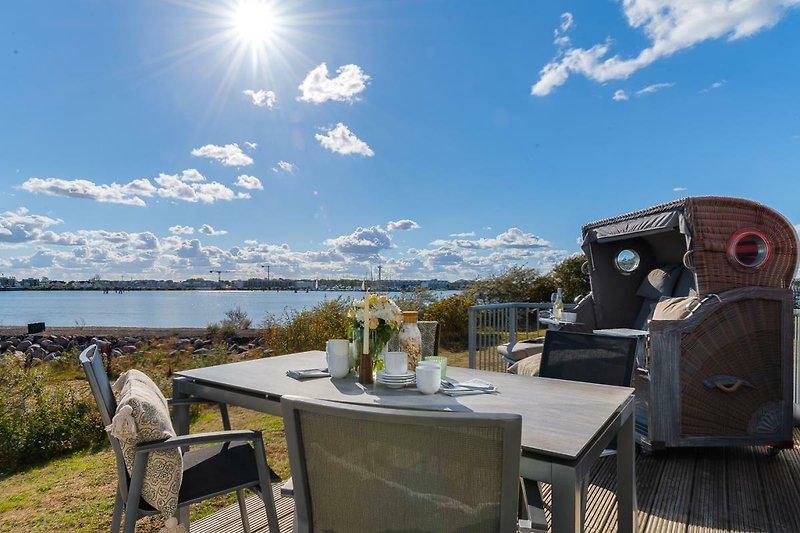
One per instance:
(565,424)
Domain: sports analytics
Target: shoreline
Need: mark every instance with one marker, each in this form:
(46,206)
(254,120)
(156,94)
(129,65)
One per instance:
(106,331)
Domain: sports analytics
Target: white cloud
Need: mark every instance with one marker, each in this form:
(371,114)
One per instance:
(128,193)
(192,174)
(650,89)
(402,225)
(229,155)
(678,189)
(284,166)
(181,230)
(619,95)
(251,146)
(249,182)
(205,229)
(463,234)
(342,141)
(511,238)
(560,39)
(362,242)
(713,86)
(20,226)
(317,87)
(670,26)
(261,97)
(178,187)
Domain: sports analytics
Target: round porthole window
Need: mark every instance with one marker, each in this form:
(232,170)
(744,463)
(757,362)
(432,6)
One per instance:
(749,248)
(627,260)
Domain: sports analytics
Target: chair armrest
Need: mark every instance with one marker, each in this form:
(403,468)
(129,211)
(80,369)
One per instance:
(200,438)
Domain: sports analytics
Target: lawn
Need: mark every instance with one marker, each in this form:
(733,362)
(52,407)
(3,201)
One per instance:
(76,493)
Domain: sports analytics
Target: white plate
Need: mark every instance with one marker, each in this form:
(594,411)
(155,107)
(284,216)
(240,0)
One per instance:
(382,375)
(395,385)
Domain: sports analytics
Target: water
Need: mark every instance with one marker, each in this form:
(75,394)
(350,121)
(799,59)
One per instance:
(153,309)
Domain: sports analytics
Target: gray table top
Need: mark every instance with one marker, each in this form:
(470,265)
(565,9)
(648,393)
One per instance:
(559,418)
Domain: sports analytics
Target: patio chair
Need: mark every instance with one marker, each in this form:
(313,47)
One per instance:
(364,468)
(210,471)
(586,357)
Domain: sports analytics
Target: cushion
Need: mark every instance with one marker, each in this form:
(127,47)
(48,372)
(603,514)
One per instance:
(674,308)
(521,350)
(685,285)
(659,282)
(143,416)
(645,314)
(527,367)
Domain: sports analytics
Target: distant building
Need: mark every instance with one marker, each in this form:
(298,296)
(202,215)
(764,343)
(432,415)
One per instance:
(29,282)
(8,282)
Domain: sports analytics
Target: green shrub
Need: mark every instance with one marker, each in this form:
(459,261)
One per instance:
(39,420)
(298,331)
(417,300)
(451,313)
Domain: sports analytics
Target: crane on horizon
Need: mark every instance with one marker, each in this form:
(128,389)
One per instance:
(219,274)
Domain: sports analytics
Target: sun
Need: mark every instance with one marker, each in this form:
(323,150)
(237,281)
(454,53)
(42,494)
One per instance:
(255,22)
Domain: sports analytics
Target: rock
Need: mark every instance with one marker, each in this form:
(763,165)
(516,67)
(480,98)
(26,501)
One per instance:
(197,343)
(181,343)
(173,353)
(62,341)
(103,345)
(201,351)
(115,353)
(5,345)
(24,345)
(52,347)
(49,357)
(36,352)
(44,343)
(128,348)
(72,344)
(241,349)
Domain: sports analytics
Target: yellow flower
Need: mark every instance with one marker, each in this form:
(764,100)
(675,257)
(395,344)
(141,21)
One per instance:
(373,323)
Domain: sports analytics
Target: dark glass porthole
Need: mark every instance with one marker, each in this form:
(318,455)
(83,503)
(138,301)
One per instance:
(749,248)
(627,260)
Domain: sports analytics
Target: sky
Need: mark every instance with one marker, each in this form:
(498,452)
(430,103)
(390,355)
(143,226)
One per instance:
(439,139)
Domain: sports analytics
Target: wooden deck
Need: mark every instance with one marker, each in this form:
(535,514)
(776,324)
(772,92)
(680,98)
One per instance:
(693,490)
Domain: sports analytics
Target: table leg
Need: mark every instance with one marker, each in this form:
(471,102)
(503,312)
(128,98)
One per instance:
(626,477)
(567,500)
(180,413)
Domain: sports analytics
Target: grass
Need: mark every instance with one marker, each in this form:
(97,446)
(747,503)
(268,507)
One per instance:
(76,493)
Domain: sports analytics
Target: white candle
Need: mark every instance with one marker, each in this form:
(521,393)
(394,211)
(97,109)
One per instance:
(366,323)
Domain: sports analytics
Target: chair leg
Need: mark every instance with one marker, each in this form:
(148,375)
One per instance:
(243,511)
(183,517)
(116,519)
(265,484)
(134,492)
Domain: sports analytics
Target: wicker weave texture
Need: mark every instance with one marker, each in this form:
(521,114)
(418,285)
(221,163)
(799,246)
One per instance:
(713,220)
(741,339)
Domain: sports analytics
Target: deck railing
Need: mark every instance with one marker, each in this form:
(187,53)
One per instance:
(491,325)
(494,324)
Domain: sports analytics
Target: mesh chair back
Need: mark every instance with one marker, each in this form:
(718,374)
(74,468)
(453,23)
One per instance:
(92,363)
(358,468)
(588,357)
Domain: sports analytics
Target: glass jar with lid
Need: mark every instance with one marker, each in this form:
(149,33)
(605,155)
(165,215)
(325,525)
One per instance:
(410,338)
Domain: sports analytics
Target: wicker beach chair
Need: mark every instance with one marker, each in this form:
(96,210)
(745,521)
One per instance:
(708,280)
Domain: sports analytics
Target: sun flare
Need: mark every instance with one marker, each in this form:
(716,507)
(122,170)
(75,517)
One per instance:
(254,22)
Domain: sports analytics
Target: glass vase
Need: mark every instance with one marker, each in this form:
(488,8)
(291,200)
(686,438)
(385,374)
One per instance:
(410,339)
(376,349)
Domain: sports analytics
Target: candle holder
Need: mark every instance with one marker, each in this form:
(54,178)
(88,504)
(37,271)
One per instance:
(365,370)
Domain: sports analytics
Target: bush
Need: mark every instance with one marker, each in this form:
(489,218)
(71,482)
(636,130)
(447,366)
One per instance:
(39,420)
(417,300)
(298,331)
(238,318)
(451,313)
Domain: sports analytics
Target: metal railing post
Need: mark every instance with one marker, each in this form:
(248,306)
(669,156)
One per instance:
(472,334)
(512,326)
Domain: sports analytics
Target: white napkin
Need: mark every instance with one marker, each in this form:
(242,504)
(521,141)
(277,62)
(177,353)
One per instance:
(309,373)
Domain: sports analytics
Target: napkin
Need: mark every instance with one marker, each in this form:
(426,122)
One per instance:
(473,386)
(309,373)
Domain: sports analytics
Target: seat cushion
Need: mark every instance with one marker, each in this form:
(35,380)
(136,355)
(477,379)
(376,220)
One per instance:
(659,282)
(527,367)
(521,350)
(675,308)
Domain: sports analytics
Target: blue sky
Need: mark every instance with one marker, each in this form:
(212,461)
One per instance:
(157,139)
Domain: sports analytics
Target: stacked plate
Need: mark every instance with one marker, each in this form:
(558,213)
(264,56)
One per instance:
(396,381)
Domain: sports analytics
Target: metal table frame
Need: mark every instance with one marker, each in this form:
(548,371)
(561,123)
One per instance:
(568,478)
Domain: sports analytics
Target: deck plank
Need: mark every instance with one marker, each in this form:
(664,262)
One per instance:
(711,490)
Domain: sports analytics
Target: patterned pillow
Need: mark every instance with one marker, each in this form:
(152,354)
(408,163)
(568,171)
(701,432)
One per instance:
(143,416)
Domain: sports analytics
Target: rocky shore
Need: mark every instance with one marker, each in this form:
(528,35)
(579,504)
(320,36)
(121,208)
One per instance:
(54,345)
